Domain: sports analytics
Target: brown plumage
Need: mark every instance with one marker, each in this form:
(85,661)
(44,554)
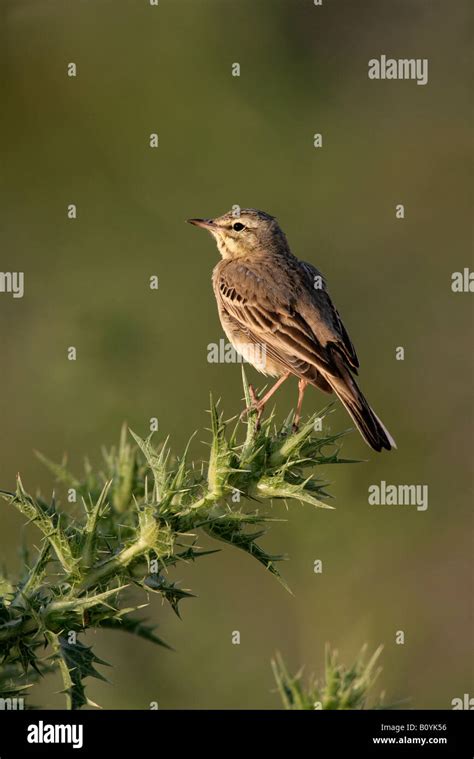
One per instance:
(273,305)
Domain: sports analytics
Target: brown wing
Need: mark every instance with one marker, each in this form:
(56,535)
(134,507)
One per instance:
(342,341)
(272,304)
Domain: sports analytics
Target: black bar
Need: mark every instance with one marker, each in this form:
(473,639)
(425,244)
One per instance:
(292,733)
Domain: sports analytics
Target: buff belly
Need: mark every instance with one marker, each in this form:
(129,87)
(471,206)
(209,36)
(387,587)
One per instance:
(253,352)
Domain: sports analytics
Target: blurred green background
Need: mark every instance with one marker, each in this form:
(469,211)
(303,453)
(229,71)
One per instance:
(143,353)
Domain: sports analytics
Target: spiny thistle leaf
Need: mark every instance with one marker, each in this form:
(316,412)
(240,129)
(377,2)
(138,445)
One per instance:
(55,611)
(75,662)
(168,590)
(89,536)
(276,486)
(219,459)
(229,533)
(14,684)
(124,475)
(136,627)
(131,535)
(48,521)
(156,461)
(34,576)
(341,688)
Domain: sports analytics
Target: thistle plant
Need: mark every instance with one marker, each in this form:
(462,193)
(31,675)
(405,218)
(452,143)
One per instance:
(126,528)
(341,687)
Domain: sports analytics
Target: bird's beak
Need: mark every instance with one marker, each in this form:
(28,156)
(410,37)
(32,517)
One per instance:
(204,223)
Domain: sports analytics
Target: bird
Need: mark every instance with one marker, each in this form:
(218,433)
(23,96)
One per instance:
(270,300)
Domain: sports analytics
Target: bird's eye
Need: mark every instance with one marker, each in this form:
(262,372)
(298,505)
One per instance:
(238,226)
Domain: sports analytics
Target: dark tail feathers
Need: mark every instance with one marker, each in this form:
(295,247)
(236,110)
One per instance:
(367,421)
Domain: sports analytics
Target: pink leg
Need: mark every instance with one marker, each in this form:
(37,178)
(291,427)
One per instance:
(259,405)
(253,395)
(301,388)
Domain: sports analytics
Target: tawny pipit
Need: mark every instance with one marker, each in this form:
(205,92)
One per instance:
(268,299)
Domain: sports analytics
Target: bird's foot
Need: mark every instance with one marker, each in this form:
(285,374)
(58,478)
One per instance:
(255,406)
(253,396)
(250,410)
(296,423)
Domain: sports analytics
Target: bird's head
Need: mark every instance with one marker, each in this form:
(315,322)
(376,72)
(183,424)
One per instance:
(244,234)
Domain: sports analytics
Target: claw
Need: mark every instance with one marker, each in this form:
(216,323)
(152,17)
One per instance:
(258,407)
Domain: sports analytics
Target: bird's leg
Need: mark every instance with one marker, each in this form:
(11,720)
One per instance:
(253,406)
(301,388)
(253,395)
(274,387)
(259,405)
